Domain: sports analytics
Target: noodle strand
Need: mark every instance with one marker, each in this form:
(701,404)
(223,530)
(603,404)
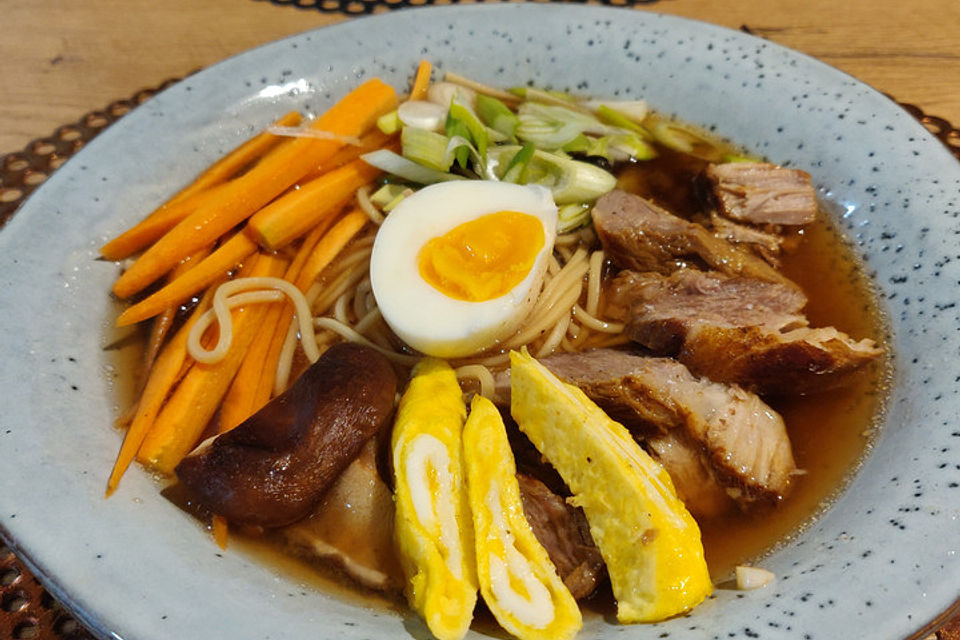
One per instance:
(228,295)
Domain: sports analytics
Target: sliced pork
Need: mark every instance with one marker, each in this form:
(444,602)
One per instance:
(692,474)
(563,531)
(638,235)
(763,193)
(766,244)
(743,440)
(737,330)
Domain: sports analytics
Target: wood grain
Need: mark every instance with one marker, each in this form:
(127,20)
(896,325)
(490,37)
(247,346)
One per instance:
(63,59)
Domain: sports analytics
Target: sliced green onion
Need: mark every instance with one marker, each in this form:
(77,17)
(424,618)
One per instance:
(444,93)
(569,180)
(682,138)
(545,134)
(618,119)
(406,169)
(387,194)
(560,98)
(635,110)
(600,147)
(735,157)
(494,136)
(516,169)
(580,144)
(425,147)
(478,132)
(422,114)
(460,146)
(632,146)
(572,216)
(497,115)
(551,127)
(390,206)
(457,129)
(587,122)
(389,123)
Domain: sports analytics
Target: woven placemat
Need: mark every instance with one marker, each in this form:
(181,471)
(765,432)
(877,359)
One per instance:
(27,610)
(360,7)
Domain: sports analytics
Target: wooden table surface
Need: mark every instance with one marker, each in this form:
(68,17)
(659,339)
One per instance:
(64,59)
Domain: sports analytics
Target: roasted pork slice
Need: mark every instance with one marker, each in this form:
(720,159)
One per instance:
(352,527)
(765,244)
(692,474)
(563,531)
(762,193)
(636,234)
(743,439)
(737,330)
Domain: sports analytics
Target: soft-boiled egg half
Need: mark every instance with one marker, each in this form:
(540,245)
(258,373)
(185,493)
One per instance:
(457,266)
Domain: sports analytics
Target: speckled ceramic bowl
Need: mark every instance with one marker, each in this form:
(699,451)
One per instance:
(880,564)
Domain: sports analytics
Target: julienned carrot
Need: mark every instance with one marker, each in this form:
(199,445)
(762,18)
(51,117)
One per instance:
(421,82)
(242,399)
(156,224)
(253,385)
(247,394)
(295,213)
(326,249)
(166,371)
(220,528)
(187,200)
(194,402)
(215,266)
(164,321)
(353,115)
(330,245)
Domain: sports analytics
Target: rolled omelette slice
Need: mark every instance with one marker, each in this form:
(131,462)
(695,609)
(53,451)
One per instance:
(433,528)
(649,541)
(517,579)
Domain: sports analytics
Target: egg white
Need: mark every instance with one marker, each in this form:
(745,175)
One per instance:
(425,318)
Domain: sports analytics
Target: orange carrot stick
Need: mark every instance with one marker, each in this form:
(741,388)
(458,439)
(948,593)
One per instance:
(164,322)
(194,402)
(167,370)
(242,399)
(246,394)
(327,249)
(220,529)
(216,265)
(158,334)
(353,115)
(421,82)
(289,217)
(330,245)
(195,194)
(254,386)
(156,224)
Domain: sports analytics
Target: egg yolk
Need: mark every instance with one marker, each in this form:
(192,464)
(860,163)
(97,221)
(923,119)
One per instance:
(482,259)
